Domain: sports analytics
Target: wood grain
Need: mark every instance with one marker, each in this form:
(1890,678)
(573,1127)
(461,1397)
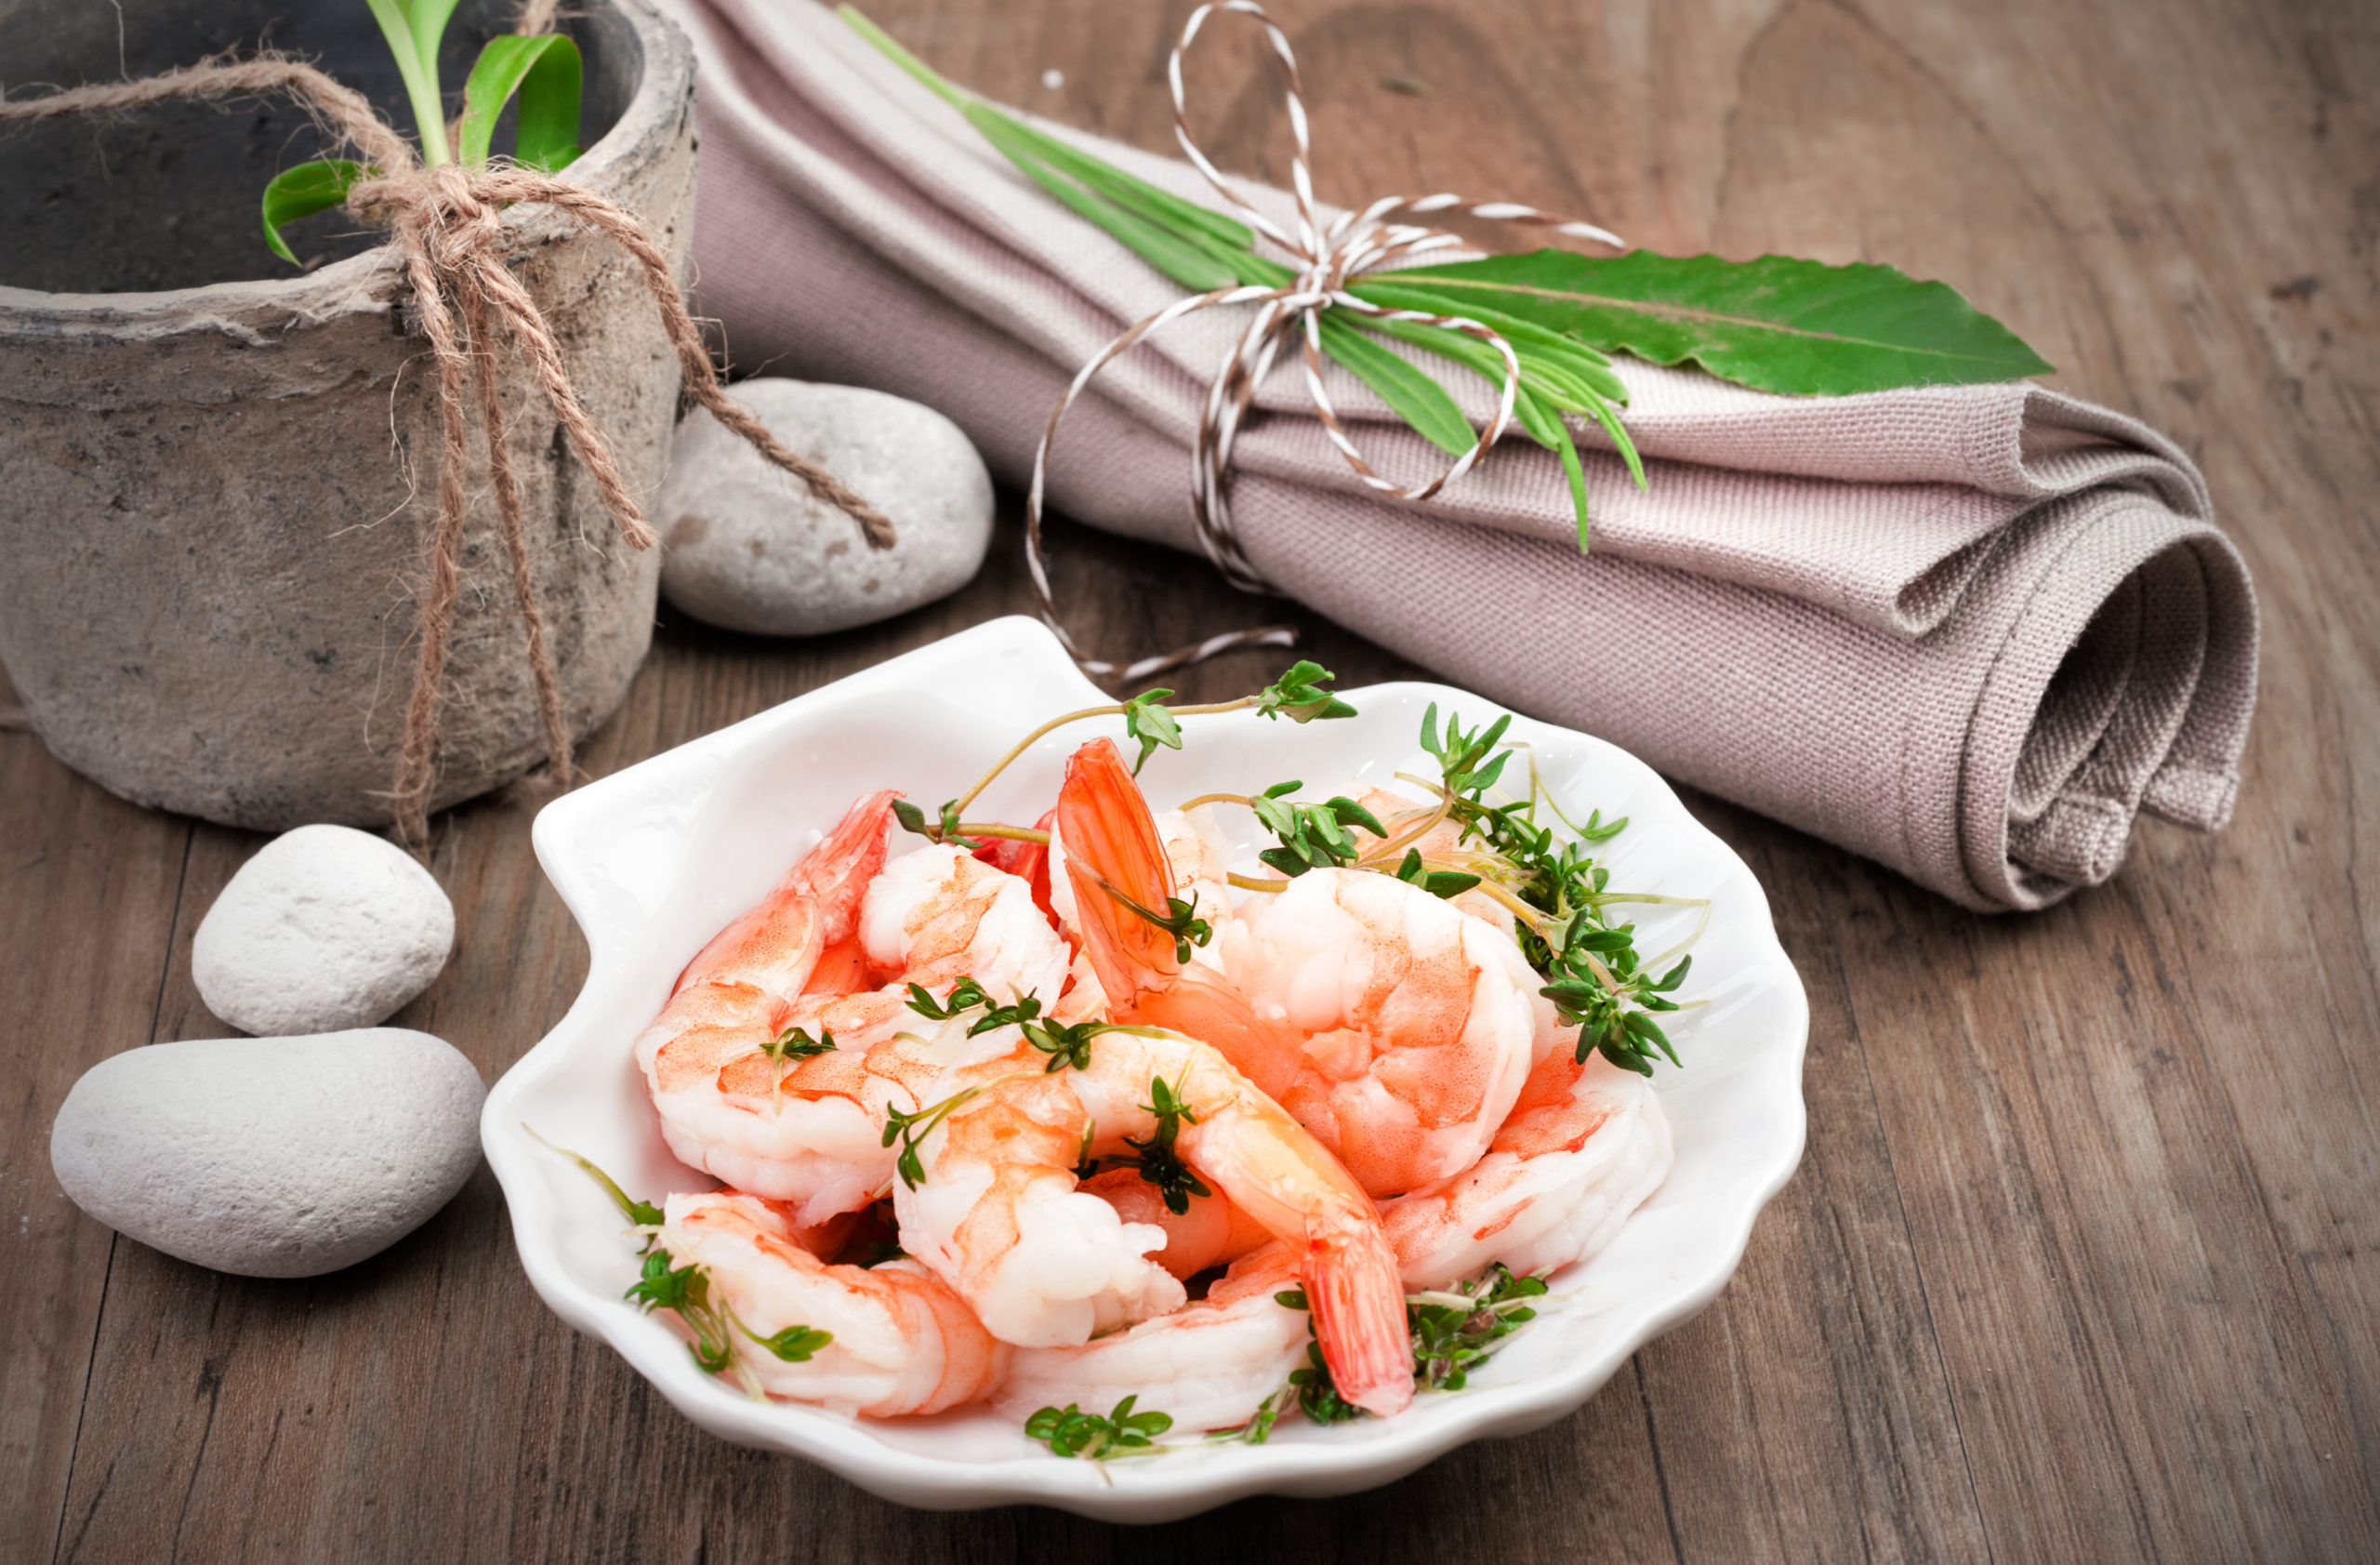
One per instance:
(2082,1260)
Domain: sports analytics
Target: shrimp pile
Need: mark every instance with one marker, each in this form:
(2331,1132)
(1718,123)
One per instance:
(1057,1117)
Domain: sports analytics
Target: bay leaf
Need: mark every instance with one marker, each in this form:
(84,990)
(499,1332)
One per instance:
(1776,324)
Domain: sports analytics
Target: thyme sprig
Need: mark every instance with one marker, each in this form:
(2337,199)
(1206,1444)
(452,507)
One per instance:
(1558,892)
(1068,1046)
(643,1215)
(1180,919)
(1454,1332)
(911,1129)
(1258,1429)
(1298,695)
(1156,1158)
(686,1291)
(1070,1432)
(1312,836)
(789,1048)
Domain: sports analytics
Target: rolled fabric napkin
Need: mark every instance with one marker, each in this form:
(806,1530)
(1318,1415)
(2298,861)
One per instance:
(1969,631)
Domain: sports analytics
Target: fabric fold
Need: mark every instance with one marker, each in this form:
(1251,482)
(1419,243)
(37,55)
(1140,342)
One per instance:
(1969,631)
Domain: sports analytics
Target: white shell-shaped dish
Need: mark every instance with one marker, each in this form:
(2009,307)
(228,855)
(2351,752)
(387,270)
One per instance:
(655,860)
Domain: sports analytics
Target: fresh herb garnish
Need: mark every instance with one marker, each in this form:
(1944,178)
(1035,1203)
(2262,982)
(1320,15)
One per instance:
(1155,1158)
(1593,973)
(945,828)
(795,1344)
(1066,1046)
(1453,1333)
(1152,724)
(1070,1432)
(1258,1429)
(1298,695)
(1437,882)
(686,1291)
(1180,919)
(965,995)
(910,1129)
(1312,836)
(644,1214)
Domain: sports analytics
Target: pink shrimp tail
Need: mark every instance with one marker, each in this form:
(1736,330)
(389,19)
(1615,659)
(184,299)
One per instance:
(778,944)
(1112,852)
(1111,837)
(1358,1300)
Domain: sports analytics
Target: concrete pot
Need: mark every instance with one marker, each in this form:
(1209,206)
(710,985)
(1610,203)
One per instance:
(214,498)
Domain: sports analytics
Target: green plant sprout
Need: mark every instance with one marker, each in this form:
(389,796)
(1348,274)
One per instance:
(545,72)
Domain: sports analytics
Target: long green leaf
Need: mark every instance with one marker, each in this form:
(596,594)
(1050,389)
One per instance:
(302,191)
(545,72)
(1579,358)
(1415,398)
(1185,261)
(413,29)
(1775,323)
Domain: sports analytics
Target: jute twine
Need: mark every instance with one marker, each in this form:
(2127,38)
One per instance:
(447,224)
(1328,257)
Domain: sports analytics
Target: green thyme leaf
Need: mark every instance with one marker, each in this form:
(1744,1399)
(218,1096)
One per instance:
(1070,1432)
(1147,721)
(794,1345)
(1156,1158)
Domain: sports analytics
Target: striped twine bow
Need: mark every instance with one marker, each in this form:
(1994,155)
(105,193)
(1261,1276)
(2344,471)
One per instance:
(1328,258)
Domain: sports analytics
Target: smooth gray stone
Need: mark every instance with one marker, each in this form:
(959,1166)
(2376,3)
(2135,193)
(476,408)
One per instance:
(326,928)
(271,1157)
(749,549)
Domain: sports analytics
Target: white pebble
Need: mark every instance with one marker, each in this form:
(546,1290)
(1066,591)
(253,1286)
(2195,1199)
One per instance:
(271,1157)
(326,927)
(749,548)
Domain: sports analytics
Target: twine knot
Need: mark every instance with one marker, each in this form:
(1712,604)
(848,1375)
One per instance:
(447,224)
(1328,257)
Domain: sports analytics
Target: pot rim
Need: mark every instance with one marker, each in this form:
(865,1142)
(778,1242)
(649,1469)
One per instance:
(367,283)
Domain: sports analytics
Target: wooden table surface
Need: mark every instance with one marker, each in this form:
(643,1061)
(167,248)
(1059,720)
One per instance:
(2083,1262)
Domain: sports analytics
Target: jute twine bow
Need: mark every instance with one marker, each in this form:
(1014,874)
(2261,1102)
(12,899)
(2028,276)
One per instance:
(447,224)
(1329,258)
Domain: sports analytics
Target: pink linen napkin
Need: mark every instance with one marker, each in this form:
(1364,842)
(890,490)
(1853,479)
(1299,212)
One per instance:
(1968,631)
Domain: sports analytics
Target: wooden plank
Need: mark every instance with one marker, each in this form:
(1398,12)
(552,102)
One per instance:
(2081,1260)
(86,909)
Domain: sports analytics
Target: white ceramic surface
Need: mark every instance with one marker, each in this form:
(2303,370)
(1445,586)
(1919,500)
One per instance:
(654,860)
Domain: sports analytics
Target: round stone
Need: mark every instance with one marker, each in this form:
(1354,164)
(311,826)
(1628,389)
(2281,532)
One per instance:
(326,927)
(748,547)
(271,1157)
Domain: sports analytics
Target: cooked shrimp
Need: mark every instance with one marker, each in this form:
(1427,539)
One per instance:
(1582,1148)
(938,915)
(1112,852)
(737,992)
(808,1128)
(1211,1233)
(1210,1365)
(996,1213)
(1197,872)
(900,1342)
(1419,1022)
